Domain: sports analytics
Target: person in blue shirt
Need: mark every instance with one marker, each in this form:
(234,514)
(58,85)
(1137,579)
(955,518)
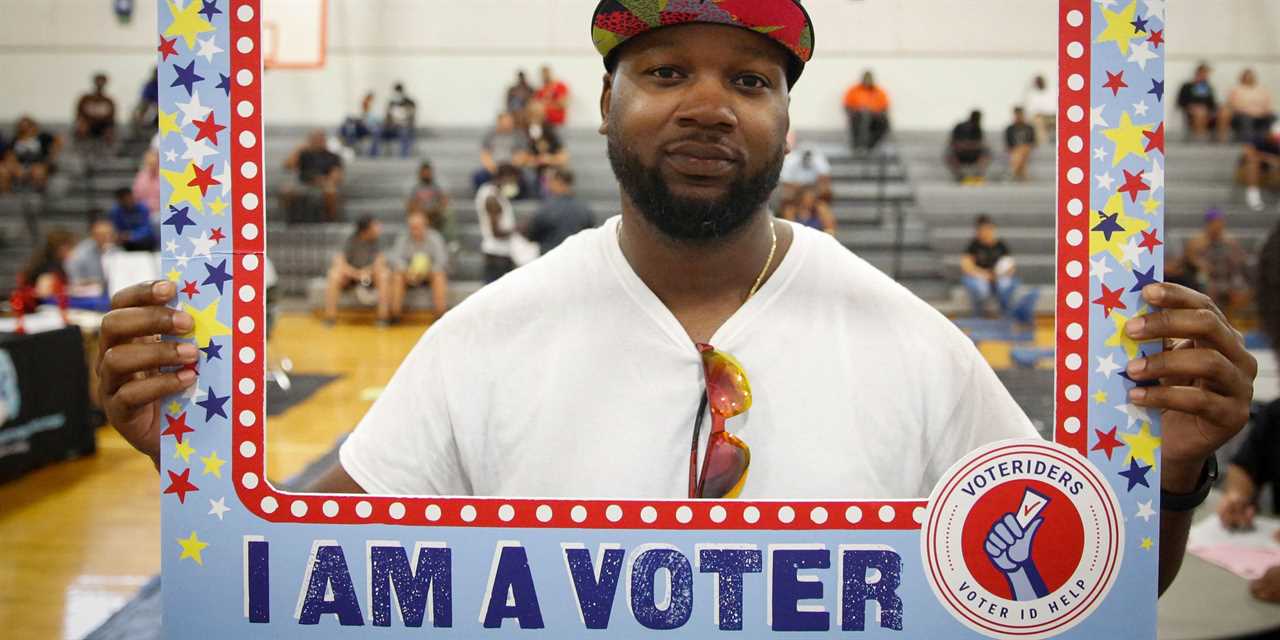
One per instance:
(132,221)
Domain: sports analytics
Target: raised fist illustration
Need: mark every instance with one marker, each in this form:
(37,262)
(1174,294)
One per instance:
(1009,545)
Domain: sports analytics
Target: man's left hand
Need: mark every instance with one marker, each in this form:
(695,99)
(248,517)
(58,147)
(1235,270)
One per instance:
(1205,375)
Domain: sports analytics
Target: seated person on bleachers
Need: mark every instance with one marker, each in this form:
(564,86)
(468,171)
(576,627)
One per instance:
(988,269)
(506,143)
(520,94)
(133,224)
(358,128)
(498,221)
(1249,110)
(146,113)
(44,273)
(1261,160)
(419,258)
(809,210)
(1019,139)
(546,151)
(86,276)
(319,172)
(30,157)
(1041,104)
(96,113)
(1256,463)
(430,196)
(553,95)
(561,215)
(400,122)
(967,153)
(362,265)
(806,168)
(867,106)
(1219,264)
(146,183)
(1198,103)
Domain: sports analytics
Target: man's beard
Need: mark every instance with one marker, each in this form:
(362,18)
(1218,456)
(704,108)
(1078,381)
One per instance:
(692,220)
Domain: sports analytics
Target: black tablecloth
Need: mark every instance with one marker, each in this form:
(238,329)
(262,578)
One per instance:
(44,400)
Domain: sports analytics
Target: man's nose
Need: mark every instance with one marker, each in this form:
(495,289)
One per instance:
(708,105)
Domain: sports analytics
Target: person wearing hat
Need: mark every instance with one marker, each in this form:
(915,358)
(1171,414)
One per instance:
(695,346)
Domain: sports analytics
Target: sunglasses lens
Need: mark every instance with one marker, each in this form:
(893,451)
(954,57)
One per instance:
(727,385)
(728,459)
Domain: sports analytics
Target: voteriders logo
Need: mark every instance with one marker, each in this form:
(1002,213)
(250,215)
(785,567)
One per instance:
(1023,539)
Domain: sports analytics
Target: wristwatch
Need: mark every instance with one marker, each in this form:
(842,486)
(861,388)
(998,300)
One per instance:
(1183,502)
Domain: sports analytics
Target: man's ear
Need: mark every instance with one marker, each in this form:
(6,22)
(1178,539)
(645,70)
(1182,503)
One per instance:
(606,96)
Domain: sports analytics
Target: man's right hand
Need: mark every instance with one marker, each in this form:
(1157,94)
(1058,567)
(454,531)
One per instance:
(131,355)
(1236,510)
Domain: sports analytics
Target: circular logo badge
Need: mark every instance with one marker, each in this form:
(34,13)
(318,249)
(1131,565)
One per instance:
(1023,539)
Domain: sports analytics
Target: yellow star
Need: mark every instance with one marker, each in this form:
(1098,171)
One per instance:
(207,326)
(1147,543)
(1119,27)
(217,206)
(191,548)
(1100,397)
(1120,338)
(184,451)
(174,407)
(174,275)
(187,22)
(169,124)
(1150,206)
(1128,138)
(182,189)
(212,465)
(1142,445)
(1098,241)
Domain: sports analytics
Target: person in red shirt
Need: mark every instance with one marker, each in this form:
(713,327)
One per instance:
(868,108)
(554,96)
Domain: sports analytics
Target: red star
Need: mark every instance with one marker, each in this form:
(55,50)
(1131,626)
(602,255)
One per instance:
(1110,299)
(217,236)
(207,129)
(1115,82)
(1155,139)
(177,427)
(1156,38)
(203,180)
(1106,441)
(1134,185)
(180,483)
(190,289)
(167,48)
(1150,241)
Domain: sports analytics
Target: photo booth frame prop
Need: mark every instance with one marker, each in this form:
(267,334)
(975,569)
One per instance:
(243,557)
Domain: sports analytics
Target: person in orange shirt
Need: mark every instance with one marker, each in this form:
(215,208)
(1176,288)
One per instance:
(868,109)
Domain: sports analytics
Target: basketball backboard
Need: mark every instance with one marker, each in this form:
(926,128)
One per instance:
(294,33)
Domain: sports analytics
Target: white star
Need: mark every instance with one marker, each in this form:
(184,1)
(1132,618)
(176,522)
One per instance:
(1108,366)
(1134,413)
(1155,177)
(1140,108)
(1132,253)
(197,150)
(1145,511)
(224,178)
(1106,3)
(1105,181)
(208,49)
(1156,7)
(194,393)
(1099,269)
(170,156)
(1100,153)
(219,507)
(183,260)
(203,246)
(193,110)
(1095,117)
(171,246)
(1142,53)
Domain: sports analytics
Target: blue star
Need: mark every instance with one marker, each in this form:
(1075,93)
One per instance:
(224,83)
(1140,25)
(1144,279)
(187,77)
(210,9)
(1157,89)
(217,275)
(1108,225)
(180,220)
(212,352)
(212,405)
(1136,474)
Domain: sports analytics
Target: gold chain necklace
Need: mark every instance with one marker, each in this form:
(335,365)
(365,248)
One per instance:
(773,249)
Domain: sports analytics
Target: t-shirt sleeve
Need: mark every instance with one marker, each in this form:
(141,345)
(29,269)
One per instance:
(1251,456)
(398,257)
(405,445)
(821,165)
(972,249)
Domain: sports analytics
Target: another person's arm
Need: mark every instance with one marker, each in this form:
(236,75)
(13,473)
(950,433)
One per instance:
(494,210)
(827,218)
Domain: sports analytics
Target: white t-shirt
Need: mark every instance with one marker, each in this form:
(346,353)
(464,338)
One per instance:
(489,243)
(570,378)
(795,172)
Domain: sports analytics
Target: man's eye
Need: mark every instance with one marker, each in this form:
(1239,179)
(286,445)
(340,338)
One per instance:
(665,73)
(753,82)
